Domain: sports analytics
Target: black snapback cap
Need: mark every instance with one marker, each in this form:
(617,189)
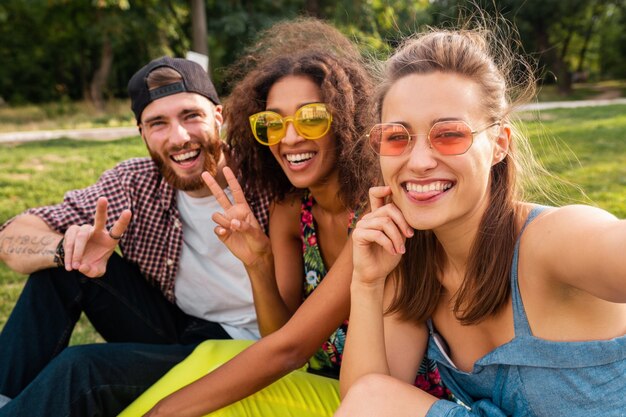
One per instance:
(194,80)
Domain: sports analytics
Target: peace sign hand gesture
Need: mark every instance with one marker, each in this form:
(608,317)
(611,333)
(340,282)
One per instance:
(378,239)
(237,227)
(89,247)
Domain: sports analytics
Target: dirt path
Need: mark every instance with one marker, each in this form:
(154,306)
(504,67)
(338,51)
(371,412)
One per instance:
(609,94)
(604,98)
(572,104)
(102,133)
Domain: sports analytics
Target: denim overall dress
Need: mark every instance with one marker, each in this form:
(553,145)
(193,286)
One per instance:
(533,377)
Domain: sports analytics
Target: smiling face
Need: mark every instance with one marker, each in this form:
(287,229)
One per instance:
(181,132)
(305,162)
(434,190)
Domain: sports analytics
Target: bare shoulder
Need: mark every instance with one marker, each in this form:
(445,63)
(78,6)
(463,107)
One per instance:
(290,204)
(575,247)
(560,230)
(285,216)
(569,220)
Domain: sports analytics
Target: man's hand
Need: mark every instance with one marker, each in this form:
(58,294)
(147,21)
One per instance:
(89,247)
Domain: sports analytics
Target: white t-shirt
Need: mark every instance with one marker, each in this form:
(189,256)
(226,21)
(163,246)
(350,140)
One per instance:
(212,283)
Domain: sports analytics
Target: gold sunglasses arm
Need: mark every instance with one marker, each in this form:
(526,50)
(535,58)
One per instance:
(475,132)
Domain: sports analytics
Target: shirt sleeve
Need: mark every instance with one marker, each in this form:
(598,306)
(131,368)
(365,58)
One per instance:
(78,206)
(482,408)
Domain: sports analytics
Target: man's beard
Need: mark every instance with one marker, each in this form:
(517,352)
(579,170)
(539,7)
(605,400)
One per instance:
(212,150)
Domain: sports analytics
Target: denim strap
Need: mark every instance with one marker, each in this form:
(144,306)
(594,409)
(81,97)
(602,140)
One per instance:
(522,328)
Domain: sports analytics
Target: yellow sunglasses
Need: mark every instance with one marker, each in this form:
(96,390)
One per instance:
(311,121)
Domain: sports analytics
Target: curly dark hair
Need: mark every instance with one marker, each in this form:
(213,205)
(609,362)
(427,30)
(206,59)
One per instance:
(314,49)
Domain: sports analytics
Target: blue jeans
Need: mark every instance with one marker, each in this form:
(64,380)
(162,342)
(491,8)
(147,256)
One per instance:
(147,335)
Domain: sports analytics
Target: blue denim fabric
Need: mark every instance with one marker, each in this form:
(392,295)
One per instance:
(532,377)
(148,336)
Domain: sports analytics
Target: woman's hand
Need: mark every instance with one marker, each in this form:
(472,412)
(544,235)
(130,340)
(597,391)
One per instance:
(237,227)
(378,239)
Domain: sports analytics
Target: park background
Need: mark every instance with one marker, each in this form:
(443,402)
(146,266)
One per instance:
(66,64)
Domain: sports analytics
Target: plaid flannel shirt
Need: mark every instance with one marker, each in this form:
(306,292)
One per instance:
(154,237)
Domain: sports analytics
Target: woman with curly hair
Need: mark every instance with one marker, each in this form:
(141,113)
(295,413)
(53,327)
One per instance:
(294,122)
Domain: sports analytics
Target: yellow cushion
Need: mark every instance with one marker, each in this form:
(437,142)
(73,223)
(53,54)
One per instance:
(298,394)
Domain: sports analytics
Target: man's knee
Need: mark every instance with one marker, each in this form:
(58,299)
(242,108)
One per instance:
(80,357)
(57,278)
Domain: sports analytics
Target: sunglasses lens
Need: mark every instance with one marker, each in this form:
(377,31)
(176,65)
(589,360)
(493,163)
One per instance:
(268,127)
(451,138)
(389,139)
(312,121)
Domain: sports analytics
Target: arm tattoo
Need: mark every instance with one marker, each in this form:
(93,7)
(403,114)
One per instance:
(27,245)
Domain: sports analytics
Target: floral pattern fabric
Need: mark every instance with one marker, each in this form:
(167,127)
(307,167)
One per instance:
(429,380)
(327,360)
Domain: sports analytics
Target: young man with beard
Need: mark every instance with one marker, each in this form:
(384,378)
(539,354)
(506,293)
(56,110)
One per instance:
(174,284)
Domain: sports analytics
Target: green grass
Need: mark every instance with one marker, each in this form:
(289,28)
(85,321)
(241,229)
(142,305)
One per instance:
(65,115)
(39,173)
(585,146)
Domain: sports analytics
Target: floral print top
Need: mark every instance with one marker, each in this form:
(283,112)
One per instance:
(429,380)
(327,360)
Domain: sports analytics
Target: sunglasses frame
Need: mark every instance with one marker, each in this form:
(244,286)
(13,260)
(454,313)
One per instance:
(410,143)
(255,117)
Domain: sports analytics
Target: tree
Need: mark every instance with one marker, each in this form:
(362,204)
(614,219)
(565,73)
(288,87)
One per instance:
(612,44)
(108,23)
(52,49)
(72,49)
(198,23)
(559,32)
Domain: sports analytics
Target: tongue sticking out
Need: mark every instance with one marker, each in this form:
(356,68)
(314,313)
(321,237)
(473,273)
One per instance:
(425,196)
(427,191)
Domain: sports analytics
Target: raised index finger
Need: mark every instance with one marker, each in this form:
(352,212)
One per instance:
(100,217)
(216,190)
(377,196)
